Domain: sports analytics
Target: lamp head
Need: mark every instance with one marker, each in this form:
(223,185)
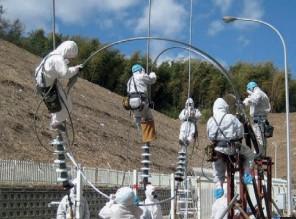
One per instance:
(228,19)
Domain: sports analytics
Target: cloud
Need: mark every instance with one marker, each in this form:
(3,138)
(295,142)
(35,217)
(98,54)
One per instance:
(224,5)
(251,9)
(36,13)
(215,27)
(168,17)
(243,41)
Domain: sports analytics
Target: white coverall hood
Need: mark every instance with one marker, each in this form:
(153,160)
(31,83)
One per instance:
(148,192)
(220,106)
(67,49)
(124,196)
(189,103)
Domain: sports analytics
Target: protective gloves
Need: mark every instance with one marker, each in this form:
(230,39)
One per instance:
(246,101)
(73,79)
(218,193)
(152,75)
(247,178)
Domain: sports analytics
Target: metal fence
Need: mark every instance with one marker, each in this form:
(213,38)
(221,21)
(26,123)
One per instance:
(29,172)
(15,172)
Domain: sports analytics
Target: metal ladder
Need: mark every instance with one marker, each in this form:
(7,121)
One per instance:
(186,200)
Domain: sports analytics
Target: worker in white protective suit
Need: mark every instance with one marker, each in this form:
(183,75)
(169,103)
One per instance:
(189,117)
(219,206)
(137,89)
(68,205)
(226,132)
(122,205)
(52,69)
(154,211)
(259,105)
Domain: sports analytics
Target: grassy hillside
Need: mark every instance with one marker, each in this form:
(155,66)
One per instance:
(105,136)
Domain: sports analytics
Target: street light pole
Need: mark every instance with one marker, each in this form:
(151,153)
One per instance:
(228,19)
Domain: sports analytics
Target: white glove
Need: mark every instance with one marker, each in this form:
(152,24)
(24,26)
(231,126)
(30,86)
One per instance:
(79,67)
(152,75)
(246,101)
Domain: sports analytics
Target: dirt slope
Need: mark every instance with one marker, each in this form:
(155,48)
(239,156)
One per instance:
(105,136)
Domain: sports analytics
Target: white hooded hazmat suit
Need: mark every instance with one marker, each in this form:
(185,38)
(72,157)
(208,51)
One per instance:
(121,206)
(154,210)
(54,66)
(68,207)
(224,127)
(189,117)
(259,108)
(139,83)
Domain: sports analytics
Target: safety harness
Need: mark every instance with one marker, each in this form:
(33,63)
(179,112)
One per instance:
(137,98)
(49,94)
(223,143)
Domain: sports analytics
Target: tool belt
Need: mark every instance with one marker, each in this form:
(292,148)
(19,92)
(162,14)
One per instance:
(210,153)
(51,97)
(137,101)
(267,128)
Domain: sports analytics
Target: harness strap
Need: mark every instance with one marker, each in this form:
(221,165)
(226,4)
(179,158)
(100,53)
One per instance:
(41,66)
(218,127)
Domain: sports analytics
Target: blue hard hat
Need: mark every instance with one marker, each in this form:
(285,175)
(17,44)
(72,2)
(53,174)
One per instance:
(251,85)
(136,68)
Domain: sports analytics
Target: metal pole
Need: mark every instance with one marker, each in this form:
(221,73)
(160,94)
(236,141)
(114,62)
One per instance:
(148,40)
(275,159)
(135,181)
(172,212)
(53,24)
(288,151)
(189,52)
(78,195)
(275,162)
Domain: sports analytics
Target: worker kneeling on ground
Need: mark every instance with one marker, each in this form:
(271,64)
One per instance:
(137,89)
(259,105)
(68,205)
(122,205)
(48,74)
(226,132)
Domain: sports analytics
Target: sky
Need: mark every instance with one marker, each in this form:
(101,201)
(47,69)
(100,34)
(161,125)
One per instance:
(112,20)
